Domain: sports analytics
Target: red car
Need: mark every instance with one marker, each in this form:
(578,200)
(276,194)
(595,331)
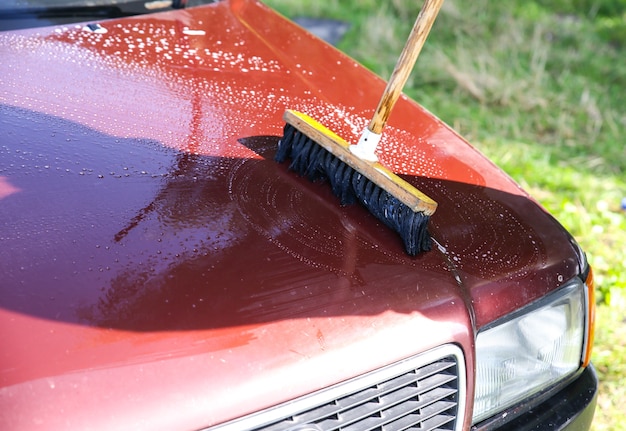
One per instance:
(159,270)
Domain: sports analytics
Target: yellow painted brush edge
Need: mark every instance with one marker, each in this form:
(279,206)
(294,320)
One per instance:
(377,173)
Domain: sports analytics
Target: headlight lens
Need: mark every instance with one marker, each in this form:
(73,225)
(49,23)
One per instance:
(529,351)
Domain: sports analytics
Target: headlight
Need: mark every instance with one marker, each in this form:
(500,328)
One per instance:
(529,350)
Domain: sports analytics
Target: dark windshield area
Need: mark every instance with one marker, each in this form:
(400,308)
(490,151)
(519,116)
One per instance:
(18,14)
(24,4)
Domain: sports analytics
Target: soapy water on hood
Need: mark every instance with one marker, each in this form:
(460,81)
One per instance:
(148,54)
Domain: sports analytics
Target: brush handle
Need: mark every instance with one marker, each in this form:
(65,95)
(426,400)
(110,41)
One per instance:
(405,64)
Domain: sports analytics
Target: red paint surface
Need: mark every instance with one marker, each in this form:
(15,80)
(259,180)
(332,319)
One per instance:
(160,271)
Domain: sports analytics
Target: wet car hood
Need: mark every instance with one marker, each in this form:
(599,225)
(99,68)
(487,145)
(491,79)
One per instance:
(156,259)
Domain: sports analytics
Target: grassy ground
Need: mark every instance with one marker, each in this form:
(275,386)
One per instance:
(540,87)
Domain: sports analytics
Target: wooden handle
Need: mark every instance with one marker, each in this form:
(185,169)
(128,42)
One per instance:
(405,64)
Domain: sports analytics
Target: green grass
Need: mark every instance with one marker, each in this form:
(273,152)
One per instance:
(539,86)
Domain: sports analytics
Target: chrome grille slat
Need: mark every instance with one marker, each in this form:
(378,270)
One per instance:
(392,413)
(425,392)
(416,420)
(436,423)
(352,405)
(387,403)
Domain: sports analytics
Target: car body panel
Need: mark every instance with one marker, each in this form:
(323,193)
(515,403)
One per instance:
(150,242)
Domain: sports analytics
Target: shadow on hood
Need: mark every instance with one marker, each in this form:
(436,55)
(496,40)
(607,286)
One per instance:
(129,234)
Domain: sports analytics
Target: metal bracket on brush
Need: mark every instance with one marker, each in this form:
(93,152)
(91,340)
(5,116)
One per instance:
(365,149)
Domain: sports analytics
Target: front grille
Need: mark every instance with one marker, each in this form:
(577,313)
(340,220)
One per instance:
(425,392)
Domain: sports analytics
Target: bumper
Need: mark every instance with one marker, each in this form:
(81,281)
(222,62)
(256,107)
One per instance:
(570,409)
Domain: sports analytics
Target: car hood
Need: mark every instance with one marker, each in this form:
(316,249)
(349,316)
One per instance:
(156,259)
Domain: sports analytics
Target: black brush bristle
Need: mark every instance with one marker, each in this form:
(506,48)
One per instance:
(313,161)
